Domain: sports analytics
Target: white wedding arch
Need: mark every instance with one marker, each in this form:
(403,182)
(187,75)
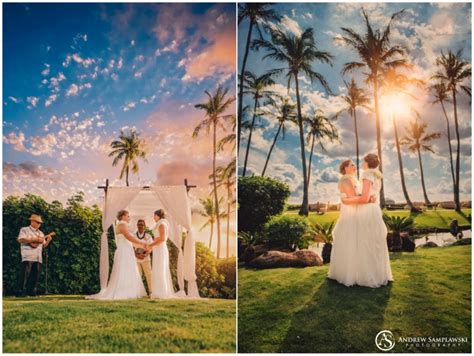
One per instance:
(141,202)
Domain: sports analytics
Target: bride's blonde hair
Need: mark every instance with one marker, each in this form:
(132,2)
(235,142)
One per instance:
(343,165)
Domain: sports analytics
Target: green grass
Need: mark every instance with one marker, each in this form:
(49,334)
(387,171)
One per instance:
(300,310)
(439,218)
(56,324)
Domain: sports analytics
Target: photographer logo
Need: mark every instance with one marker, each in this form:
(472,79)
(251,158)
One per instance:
(385,340)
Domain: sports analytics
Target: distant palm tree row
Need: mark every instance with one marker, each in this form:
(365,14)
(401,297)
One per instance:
(381,62)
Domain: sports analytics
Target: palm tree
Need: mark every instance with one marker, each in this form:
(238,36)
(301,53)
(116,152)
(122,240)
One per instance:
(230,138)
(453,72)
(320,128)
(283,112)
(257,87)
(210,214)
(440,94)
(355,97)
(215,108)
(297,52)
(395,84)
(128,147)
(258,14)
(418,140)
(226,179)
(376,54)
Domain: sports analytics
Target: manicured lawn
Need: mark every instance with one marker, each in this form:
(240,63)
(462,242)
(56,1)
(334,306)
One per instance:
(56,324)
(300,310)
(439,218)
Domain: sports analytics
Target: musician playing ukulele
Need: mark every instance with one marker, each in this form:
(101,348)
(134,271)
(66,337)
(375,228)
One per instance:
(32,241)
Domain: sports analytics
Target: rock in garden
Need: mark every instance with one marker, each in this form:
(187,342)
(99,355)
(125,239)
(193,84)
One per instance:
(407,244)
(276,259)
(429,244)
(253,251)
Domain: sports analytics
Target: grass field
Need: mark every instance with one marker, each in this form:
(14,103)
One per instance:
(56,324)
(439,218)
(300,310)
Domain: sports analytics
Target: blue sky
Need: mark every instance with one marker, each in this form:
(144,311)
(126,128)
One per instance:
(425,29)
(76,74)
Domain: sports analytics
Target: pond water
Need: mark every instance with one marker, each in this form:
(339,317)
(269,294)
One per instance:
(442,239)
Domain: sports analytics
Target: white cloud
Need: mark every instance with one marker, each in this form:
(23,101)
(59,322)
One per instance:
(138,74)
(46,71)
(172,47)
(73,90)
(51,99)
(15,100)
(16,140)
(33,100)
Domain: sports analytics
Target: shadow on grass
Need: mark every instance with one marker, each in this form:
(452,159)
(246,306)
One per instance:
(338,319)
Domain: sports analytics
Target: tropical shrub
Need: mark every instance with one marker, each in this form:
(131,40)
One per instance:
(260,198)
(227,268)
(288,232)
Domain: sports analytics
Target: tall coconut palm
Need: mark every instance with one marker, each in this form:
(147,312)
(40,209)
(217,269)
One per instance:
(256,86)
(321,128)
(209,213)
(441,96)
(297,53)
(376,54)
(257,14)
(128,147)
(395,84)
(284,112)
(215,109)
(355,97)
(418,140)
(228,139)
(226,178)
(454,70)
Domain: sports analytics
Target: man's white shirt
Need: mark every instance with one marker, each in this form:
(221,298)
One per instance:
(29,253)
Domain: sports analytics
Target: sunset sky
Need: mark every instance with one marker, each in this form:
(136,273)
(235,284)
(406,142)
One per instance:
(75,74)
(425,29)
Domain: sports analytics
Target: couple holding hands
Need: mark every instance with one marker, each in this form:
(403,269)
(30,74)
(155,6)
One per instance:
(132,258)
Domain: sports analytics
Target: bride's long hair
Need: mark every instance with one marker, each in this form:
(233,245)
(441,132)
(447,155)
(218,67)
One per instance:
(343,165)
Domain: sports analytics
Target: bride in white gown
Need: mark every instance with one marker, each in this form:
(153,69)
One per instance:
(363,259)
(125,281)
(162,284)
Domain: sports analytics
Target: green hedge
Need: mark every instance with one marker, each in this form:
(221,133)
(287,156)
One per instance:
(260,198)
(287,231)
(73,256)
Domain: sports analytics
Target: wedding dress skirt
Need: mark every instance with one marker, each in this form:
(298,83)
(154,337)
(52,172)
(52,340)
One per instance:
(125,281)
(344,259)
(161,282)
(373,261)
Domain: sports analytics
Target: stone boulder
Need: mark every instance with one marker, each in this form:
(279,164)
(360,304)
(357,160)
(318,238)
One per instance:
(429,244)
(276,259)
(253,251)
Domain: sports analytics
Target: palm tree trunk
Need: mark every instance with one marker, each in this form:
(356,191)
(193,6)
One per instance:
(427,201)
(305,204)
(357,141)
(457,203)
(271,149)
(448,131)
(212,232)
(216,200)
(126,176)
(241,84)
(310,159)
(400,166)
(229,196)
(250,137)
(379,138)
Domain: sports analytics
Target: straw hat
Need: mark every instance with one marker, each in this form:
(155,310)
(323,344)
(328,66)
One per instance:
(36,218)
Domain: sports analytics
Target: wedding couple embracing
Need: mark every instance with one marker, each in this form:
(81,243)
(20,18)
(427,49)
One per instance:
(359,254)
(125,280)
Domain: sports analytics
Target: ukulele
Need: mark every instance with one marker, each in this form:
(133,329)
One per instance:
(36,244)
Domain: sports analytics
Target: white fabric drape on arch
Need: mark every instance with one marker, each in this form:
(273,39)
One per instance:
(176,202)
(141,204)
(117,198)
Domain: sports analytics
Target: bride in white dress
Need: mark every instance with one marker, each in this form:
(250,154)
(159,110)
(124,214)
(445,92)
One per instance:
(125,281)
(344,259)
(371,253)
(162,284)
